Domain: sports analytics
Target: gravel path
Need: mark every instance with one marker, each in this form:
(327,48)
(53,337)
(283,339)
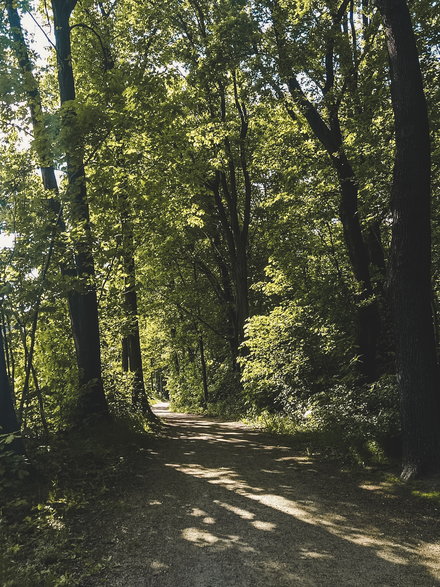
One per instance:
(217,504)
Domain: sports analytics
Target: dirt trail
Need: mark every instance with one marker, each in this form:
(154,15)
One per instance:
(217,504)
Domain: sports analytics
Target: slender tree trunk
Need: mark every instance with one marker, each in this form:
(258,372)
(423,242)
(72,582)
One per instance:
(131,342)
(233,207)
(39,393)
(330,136)
(7,324)
(124,354)
(133,346)
(7,351)
(83,307)
(241,290)
(204,372)
(411,286)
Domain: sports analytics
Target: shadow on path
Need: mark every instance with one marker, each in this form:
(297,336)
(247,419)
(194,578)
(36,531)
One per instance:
(217,504)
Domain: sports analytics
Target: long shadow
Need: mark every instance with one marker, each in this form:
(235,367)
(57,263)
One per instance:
(215,504)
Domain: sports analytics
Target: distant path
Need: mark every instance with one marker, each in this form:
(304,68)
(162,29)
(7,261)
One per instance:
(217,504)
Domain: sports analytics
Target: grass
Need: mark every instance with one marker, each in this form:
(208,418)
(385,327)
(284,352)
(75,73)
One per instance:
(41,519)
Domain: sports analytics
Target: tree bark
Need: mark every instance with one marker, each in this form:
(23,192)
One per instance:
(8,418)
(44,152)
(227,199)
(131,342)
(410,269)
(83,307)
(204,372)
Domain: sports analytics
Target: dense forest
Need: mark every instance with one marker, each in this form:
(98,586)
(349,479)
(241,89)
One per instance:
(227,204)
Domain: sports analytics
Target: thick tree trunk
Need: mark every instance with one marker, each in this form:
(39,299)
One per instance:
(8,418)
(368,321)
(234,267)
(44,151)
(411,286)
(83,306)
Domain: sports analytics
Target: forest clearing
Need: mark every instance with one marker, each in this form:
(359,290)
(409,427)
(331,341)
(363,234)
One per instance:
(231,208)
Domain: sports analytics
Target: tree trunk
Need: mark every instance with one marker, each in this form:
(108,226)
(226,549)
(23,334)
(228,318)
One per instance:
(368,321)
(8,418)
(95,399)
(411,287)
(330,136)
(204,373)
(83,307)
(131,343)
(124,354)
(241,290)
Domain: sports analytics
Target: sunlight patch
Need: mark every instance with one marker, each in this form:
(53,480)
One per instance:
(266,526)
(198,513)
(244,514)
(198,536)
(158,566)
(370,487)
(272,471)
(313,554)
(295,459)
(333,523)
(392,557)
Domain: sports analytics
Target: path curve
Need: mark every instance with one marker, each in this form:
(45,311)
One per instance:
(217,504)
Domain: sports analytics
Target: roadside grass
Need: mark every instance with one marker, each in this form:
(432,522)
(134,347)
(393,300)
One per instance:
(47,511)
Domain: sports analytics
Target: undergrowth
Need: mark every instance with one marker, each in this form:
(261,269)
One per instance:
(42,504)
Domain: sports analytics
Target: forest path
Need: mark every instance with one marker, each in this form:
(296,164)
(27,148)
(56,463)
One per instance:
(217,504)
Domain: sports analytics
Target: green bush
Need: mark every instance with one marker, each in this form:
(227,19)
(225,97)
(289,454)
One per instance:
(291,353)
(357,414)
(359,421)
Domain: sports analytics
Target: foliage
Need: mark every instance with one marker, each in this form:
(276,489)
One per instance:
(217,233)
(361,423)
(14,467)
(42,516)
(292,354)
(213,202)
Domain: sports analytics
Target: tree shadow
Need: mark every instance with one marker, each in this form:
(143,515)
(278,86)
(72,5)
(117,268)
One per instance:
(216,504)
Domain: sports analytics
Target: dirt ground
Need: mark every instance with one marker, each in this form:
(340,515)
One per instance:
(217,504)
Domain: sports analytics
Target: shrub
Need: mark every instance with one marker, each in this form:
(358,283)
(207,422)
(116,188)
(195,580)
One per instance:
(291,353)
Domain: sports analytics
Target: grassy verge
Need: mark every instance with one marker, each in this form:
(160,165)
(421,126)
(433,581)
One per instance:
(48,509)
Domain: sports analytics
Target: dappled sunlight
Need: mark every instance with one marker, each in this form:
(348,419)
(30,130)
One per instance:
(204,538)
(304,553)
(295,459)
(199,536)
(265,526)
(384,489)
(244,514)
(206,519)
(335,524)
(239,509)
